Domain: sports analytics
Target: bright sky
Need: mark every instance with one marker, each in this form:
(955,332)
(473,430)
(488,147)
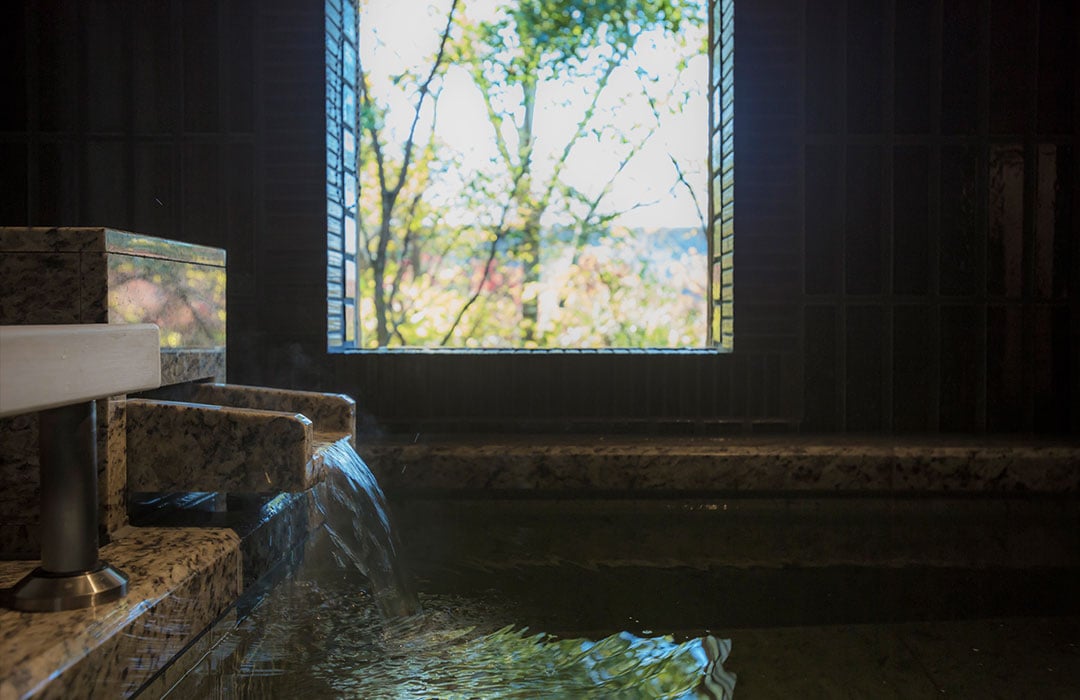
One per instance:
(399,35)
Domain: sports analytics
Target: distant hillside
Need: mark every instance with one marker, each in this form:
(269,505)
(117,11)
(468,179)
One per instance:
(681,239)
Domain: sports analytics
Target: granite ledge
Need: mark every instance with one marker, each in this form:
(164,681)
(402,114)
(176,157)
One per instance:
(179,446)
(78,239)
(181,580)
(744,464)
(192,364)
(329,413)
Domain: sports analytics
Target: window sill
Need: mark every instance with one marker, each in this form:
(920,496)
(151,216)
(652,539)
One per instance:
(528,351)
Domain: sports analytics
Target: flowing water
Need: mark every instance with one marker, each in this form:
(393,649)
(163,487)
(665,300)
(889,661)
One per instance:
(329,632)
(359,526)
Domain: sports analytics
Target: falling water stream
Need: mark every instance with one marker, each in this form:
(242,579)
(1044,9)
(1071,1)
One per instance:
(328,632)
(358,524)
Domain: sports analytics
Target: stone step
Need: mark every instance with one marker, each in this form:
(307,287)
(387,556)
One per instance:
(724,465)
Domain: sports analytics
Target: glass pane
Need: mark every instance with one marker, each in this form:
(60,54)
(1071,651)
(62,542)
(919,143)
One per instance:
(545,187)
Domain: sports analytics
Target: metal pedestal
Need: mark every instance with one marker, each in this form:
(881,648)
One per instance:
(71,575)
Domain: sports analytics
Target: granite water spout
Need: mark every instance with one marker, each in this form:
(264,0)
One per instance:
(234,439)
(178,436)
(242,440)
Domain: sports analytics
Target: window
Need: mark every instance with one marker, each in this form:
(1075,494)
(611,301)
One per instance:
(530,174)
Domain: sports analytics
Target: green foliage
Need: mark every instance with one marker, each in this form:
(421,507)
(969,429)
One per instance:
(552,35)
(504,276)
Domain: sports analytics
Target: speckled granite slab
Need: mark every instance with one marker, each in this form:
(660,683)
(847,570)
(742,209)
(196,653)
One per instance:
(99,275)
(182,580)
(20,486)
(20,479)
(790,463)
(270,527)
(77,239)
(192,364)
(112,464)
(177,446)
(330,413)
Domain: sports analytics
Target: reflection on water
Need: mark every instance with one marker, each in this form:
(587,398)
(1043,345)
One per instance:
(328,633)
(325,639)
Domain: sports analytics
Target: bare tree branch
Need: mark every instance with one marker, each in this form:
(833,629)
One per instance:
(690,188)
(410,230)
(373,131)
(582,125)
(678,168)
(410,218)
(500,232)
(409,142)
(389,195)
(476,72)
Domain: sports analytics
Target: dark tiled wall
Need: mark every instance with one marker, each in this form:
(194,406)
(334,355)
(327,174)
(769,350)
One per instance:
(907,253)
(185,119)
(940,158)
(140,115)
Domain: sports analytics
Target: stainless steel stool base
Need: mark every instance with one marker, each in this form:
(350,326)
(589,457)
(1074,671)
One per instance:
(45,591)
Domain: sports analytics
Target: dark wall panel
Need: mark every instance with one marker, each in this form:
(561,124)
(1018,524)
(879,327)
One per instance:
(156,196)
(906,231)
(13,68)
(1011,30)
(202,65)
(961,367)
(864,371)
(1056,241)
(106,181)
(825,33)
(1005,254)
(863,227)
(823,383)
(912,66)
(1055,370)
(106,66)
(56,190)
(960,66)
(203,193)
(865,66)
(960,220)
(241,210)
(913,377)
(239,65)
(1059,55)
(157,70)
(957,239)
(911,220)
(59,65)
(1008,380)
(824,219)
(13,182)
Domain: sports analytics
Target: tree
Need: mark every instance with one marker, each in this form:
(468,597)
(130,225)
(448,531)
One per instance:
(429,277)
(391,184)
(509,56)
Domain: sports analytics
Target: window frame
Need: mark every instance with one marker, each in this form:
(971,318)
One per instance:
(343,305)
